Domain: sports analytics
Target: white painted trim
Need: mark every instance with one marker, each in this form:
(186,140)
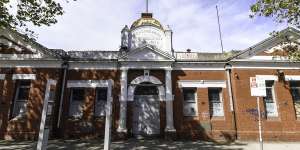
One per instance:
(30,63)
(274,58)
(202,83)
(21,56)
(259,67)
(292,77)
(24,77)
(268,77)
(204,69)
(2,76)
(88,83)
(141,79)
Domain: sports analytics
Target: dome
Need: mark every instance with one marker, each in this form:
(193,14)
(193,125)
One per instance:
(146,20)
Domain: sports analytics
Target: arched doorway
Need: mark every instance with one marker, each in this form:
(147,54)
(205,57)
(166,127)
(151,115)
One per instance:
(146,108)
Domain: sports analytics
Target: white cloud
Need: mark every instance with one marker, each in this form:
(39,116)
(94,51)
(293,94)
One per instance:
(90,24)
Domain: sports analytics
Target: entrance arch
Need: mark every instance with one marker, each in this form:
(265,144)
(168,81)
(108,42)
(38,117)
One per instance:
(145,79)
(146,92)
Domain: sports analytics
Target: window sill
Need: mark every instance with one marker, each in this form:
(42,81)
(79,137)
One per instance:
(217,118)
(272,119)
(191,117)
(19,119)
(71,118)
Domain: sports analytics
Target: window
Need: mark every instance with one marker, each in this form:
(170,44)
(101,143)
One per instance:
(269,100)
(215,102)
(295,90)
(100,103)
(189,100)
(21,98)
(77,101)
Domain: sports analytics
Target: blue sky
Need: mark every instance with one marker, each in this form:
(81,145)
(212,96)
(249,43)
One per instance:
(96,24)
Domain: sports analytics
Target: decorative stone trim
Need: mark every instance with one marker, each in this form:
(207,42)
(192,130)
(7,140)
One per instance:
(89,83)
(202,83)
(24,77)
(292,78)
(140,79)
(268,77)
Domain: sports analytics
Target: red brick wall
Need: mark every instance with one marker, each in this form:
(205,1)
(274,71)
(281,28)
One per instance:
(29,126)
(196,127)
(89,125)
(284,127)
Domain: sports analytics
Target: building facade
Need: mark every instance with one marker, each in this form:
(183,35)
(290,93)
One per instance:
(155,90)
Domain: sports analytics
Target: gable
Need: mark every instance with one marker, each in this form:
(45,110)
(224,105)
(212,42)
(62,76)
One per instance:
(272,48)
(146,54)
(10,47)
(13,45)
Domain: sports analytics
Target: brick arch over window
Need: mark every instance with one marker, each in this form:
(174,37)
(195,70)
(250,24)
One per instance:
(141,79)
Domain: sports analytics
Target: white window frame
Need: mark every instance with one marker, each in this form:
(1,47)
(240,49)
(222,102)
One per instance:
(99,103)
(221,103)
(24,77)
(202,83)
(93,84)
(296,103)
(193,103)
(17,115)
(2,76)
(79,104)
(275,114)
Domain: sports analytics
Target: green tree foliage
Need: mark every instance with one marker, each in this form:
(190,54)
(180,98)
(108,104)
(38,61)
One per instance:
(283,11)
(15,14)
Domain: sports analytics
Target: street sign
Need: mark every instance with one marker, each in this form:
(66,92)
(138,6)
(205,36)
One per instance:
(258,86)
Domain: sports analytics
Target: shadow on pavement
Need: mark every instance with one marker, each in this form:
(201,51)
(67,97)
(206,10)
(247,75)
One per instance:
(134,144)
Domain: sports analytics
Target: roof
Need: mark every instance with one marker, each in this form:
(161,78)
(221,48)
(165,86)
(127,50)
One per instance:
(146,20)
(93,55)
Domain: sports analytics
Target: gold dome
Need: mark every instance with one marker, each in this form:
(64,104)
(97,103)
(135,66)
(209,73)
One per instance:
(146,20)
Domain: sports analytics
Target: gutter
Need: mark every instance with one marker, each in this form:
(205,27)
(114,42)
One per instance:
(65,66)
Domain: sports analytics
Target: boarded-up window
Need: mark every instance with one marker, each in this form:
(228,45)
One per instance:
(189,102)
(21,98)
(295,90)
(269,100)
(100,103)
(215,102)
(77,101)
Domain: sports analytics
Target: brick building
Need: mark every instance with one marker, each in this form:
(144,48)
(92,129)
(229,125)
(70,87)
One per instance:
(155,90)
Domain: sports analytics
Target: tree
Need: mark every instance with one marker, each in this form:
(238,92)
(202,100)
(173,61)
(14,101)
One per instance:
(15,14)
(283,11)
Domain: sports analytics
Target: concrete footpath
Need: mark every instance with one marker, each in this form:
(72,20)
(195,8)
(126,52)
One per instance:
(157,144)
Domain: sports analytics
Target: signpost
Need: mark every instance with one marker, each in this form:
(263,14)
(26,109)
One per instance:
(44,130)
(258,89)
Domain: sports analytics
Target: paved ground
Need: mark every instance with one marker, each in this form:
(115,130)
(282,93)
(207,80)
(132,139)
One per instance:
(133,144)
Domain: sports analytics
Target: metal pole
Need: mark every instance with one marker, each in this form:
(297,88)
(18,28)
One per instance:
(147,6)
(62,94)
(220,32)
(259,125)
